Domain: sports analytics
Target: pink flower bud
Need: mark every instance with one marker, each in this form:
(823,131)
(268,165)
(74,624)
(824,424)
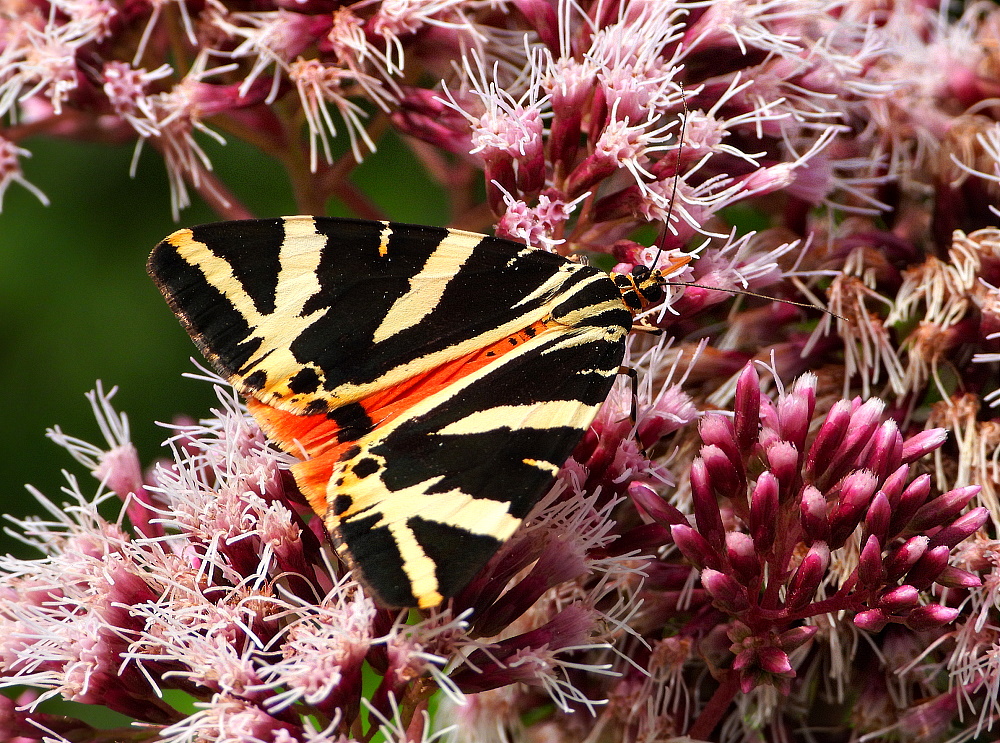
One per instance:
(923,443)
(835,463)
(928,567)
(649,502)
(885,453)
(795,411)
(764,511)
(952,577)
(718,431)
(774,660)
(830,434)
(743,556)
(783,461)
(871,620)
(904,557)
(796,637)
(813,511)
(808,576)
(706,508)
(871,572)
(855,498)
(726,481)
(943,508)
(893,486)
(726,592)
(746,423)
(961,528)
(930,616)
(899,599)
(878,517)
(694,547)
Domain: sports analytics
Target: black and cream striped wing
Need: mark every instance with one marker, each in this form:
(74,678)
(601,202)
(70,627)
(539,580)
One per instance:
(435,380)
(424,502)
(310,313)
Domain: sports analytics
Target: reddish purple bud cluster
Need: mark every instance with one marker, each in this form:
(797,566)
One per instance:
(773,506)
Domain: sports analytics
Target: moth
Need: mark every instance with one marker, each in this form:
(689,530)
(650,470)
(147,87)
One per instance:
(431,380)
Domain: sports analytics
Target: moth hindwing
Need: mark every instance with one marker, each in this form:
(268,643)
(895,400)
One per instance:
(434,379)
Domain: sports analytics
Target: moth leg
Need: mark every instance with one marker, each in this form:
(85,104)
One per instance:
(644,327)
(633,376)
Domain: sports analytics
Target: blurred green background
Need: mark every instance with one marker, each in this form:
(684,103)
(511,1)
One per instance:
(76,304)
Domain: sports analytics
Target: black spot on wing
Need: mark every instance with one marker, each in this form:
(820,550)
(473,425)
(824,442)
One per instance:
(352,420)
(255,380)
(341,503)
(305,380)
(457,554)
(375,554)
(365,468)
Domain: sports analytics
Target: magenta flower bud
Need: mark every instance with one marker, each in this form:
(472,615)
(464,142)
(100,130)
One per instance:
(764,511)
(878,517)
(746,422)
(541,17)
(595,168)
(855,499)
(871,571)
(706,507)
(928,567)
(943,508)
(795,411)
(923,443)
(726,481)
(718,430)
(422,114)
(694,547)
(871,620)
(885,454)
(835,463)
(743,556)
(774,660)
(830,434)
(908,503)
(726,592)
(899,599)
(952,577)
(644,538)
(649,502)
(961,528)
(783,461)
(501,178)
(796,637)
(808,576)
(893,485)
(813,512)
(904,557)
(930,616)
(770,428)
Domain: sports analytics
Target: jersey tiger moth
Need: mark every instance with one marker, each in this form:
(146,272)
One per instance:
(435,380)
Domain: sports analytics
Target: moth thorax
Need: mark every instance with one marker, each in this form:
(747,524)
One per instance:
(640,288)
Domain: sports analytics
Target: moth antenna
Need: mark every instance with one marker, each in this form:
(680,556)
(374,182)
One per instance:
(676,179)
(759,296)
(670,212)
